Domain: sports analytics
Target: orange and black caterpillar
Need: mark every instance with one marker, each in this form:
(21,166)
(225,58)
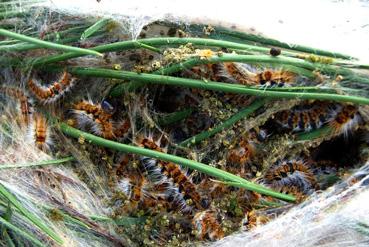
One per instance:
(163,170)
(39,132)
(290,173)
(139,191)
(240,156)
(173,195)
(246,75)
(310,116)
(53,92)
(345,118)
(93,117)
(242,153)
(98,119)
(305,117)
(243,74)
(121,128)
(19,95)
(207,226)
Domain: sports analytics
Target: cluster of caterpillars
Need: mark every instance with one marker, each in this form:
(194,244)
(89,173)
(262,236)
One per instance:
(166,185)
(36,124)
(38,131)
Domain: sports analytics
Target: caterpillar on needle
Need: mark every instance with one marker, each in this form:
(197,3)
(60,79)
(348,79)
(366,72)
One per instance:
(180,183)
(247,75)
(90,116)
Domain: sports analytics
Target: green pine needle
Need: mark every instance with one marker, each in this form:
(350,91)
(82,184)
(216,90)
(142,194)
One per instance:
(46,44)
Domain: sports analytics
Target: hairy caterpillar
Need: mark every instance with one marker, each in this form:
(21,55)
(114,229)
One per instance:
(344,119)
(206,225)
(310,116)
(305,117)
(39,132)
(53,92)
(138,191)
(164,171)
(19,95)
(121,128)
(246,75)
(243,153)
(93,117)
(290,173)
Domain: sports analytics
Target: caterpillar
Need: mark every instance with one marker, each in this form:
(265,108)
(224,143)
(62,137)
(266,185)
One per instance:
(172,193)
(206,225)
(163,170)
(247,75)
(239,157)
(305,117)
(39,132)
(243,74)
(93,117)
(53,92)
(243,153)
(121,128)
(345,118)
(310,116)
(290,173)
(25,104)
(137,189)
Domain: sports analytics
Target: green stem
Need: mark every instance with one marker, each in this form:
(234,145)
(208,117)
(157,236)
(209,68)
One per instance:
(132,44)
(209,85)
(94,28)
(174,117)
(356,79)
(324,131)
(30,216)
(221,33)
(148,47)
(40,163)
(175,159)
(8,42)
(273,42)
(46,44)
(22,233)
(304,66)
(263,59)
(13,13)
(181,66)
(8,239)
(27,46)
(226,124)
(299,71)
